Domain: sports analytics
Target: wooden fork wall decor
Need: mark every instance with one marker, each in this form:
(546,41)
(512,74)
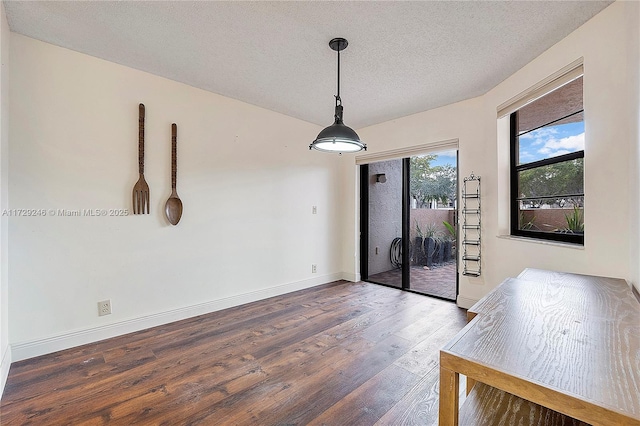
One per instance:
(141,188)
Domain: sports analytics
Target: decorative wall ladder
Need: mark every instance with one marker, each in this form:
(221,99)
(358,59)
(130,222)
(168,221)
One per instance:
(471,226)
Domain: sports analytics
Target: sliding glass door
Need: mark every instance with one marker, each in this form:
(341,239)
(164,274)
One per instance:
(432,220)
(409,223)
(384,185)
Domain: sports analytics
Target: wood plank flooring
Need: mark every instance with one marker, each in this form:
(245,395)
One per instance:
(338,354)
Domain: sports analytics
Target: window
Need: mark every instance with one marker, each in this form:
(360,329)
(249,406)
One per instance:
(547,166)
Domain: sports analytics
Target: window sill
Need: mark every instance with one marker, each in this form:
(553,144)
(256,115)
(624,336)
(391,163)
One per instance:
(543,242)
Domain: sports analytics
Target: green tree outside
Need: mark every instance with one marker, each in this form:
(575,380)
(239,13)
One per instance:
(564,178)
(429,183)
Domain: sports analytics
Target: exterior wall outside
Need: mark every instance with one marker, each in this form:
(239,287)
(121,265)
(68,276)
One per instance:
(426,217)
(548,219)
(385,213)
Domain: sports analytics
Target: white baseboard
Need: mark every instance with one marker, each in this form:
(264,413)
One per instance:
(350,276)
(464,302)
(30,349)
(5,364)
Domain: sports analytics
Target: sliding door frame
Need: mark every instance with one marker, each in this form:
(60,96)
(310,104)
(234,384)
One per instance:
(364,222)
(406,211)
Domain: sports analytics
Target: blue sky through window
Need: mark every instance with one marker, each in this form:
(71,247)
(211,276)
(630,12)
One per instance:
(551,141)
(444,158)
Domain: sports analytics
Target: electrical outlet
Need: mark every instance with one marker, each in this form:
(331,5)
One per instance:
(104,307)
(314,210)
(314,269)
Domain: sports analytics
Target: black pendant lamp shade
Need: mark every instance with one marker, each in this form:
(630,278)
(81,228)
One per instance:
(338,137)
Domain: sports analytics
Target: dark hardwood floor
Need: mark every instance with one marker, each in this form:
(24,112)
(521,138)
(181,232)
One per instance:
(338,354)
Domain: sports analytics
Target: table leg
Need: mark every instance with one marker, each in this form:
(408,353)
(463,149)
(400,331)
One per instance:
(449,389)
(470,383)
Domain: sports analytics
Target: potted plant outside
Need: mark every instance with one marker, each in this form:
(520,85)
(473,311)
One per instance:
(418,250)
(450,242)
(575,222)
(431,245)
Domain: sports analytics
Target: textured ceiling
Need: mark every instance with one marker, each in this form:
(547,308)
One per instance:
(403,57)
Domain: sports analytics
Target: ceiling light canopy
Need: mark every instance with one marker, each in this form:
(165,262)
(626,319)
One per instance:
(338,137)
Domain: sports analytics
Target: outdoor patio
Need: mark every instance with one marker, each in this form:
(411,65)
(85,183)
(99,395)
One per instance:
(439,280)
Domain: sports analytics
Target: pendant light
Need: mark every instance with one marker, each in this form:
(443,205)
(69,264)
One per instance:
(338,137)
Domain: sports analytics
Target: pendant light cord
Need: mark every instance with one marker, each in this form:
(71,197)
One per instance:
(338,100)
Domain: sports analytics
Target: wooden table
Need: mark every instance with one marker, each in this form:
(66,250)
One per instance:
(567,342)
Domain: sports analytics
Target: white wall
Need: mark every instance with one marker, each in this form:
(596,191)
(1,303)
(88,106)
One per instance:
(5,351)
(633,58)
(604,43)
(611,134)
(245,175)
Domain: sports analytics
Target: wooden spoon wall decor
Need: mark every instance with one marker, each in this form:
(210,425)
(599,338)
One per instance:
(173,207)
